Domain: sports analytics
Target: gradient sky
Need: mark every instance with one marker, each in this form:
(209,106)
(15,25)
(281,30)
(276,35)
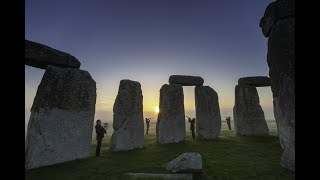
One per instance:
(149,40)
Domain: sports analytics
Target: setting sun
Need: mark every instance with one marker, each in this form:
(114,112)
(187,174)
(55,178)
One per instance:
(156,109)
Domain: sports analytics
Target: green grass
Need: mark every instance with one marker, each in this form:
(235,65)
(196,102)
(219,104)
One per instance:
(228,157)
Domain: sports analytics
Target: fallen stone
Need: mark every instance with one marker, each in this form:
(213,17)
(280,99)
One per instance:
(186,162)
(62,115)
(186,80)
(256,81)
(40,56)
(171,126)
(208,118)
(128,117)
(185,176)
(248,115)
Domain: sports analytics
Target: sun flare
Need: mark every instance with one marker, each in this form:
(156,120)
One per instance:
(156,109)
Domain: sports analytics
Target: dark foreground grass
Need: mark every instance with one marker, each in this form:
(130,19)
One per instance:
(228,157)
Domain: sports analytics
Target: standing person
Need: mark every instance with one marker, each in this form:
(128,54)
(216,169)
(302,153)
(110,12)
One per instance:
(148,124)
(100,134)
(192,122)
(228,119)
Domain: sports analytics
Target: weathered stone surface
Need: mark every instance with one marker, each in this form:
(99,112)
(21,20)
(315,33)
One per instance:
(40,56)
(186,162)
(256,81)
(276,11)
(128,117)
(278,24)
(281,62)
(180,176)
(171,126)
(62,116)
(186,80)
(248,115)
(208,118)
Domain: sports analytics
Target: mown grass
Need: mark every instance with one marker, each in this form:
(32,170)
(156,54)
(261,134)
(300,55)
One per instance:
(228,157)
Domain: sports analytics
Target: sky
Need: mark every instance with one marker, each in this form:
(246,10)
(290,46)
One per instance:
(149,40)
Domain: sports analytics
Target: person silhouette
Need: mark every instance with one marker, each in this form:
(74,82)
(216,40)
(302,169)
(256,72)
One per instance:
(100,134)
(147,124)
(228,119)
(192,122)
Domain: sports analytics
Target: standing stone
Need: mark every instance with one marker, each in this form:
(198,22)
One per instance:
(278,24)
(248,115)
(208,118)
(171,127)
(186,80)
(128,117)
(61,120)
(41,56)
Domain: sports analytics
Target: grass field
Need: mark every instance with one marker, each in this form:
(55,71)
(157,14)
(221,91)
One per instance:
(228,157)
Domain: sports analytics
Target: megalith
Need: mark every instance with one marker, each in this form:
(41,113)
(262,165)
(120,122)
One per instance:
(40,56)
(171,126)
(256,81)
(248,115)
(208,118)
(186,80)
(128,117)
(190,162)
(278,24)
(62,116)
